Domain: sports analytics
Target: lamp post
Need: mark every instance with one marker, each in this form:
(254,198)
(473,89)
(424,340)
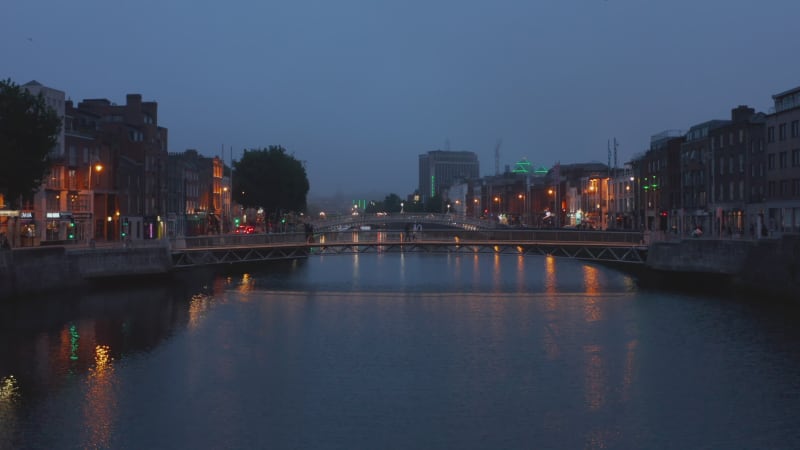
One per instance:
(97,167)
(628,198)
(402,204)
(590,199)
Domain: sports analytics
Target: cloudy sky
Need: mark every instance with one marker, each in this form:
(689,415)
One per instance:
(359,88)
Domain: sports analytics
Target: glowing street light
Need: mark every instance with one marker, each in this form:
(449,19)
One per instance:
(97,167)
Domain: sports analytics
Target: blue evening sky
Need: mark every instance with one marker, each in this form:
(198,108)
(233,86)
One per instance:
(358,89)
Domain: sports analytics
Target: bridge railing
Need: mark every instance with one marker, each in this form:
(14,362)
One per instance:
(234,240)
(395,236)
(392,236)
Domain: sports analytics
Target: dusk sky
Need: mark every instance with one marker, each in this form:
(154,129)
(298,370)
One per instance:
(359,89)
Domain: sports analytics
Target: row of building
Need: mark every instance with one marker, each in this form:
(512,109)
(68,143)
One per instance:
(113,178)
(728,177)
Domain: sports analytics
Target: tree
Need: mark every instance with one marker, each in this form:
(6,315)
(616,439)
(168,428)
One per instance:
(28,131)
(271,179)
(434,204)
(392,203)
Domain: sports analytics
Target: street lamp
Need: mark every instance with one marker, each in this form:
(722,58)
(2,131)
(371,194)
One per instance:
(97,167)
(401,207)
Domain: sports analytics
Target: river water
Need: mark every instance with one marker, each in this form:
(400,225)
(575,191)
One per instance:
(400,351)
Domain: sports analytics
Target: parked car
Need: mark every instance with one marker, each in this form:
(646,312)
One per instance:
(245,229)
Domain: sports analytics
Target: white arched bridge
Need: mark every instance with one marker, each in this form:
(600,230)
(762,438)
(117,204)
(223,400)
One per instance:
(393,221)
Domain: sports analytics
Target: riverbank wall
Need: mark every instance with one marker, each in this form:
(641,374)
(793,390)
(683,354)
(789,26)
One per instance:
(770,266)
(40,270)
(767,266)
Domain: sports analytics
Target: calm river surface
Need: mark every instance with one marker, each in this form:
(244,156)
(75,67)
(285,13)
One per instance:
(400,351)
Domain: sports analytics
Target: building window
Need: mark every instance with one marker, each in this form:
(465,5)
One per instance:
(795,126)
(796,157)
(741,163)
(771,161)
(771,188)
(741,136)
(782,132)
(796,187)
(782,160)
(784,188)
(771,134)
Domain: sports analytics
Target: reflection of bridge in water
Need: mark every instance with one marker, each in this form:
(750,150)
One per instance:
(606,246)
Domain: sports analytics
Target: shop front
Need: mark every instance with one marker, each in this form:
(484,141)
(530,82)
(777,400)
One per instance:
(27,229)
(8,224)
(59,228)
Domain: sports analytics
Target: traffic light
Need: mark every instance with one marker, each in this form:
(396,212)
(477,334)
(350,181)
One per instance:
(236,221)
(71,229)
(124,230)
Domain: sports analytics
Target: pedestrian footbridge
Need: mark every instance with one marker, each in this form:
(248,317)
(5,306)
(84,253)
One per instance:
(617,247)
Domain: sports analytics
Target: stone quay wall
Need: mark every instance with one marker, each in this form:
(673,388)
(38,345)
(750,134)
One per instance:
(39,270)
(770,266)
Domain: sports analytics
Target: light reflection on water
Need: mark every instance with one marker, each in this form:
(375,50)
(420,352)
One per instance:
(406,351)
(100,404)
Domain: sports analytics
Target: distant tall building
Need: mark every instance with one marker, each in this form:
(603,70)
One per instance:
(439,170)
